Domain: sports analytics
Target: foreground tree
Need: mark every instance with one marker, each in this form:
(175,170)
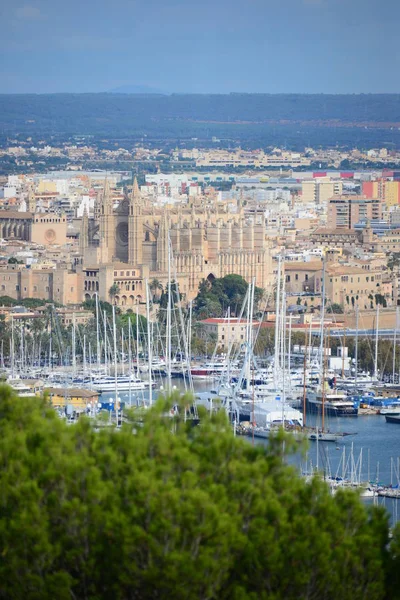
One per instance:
(165,510)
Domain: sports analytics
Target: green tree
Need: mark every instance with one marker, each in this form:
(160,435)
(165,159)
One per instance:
(14,261)
(113,291)
(335,308)
(214,298)
(167,510)
(155,287)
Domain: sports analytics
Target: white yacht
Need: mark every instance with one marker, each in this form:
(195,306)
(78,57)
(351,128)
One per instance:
(123,383)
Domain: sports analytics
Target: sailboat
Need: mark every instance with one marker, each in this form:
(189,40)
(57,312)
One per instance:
(323,401)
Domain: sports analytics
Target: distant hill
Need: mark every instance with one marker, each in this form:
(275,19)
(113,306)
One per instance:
(135,89)
(293,120)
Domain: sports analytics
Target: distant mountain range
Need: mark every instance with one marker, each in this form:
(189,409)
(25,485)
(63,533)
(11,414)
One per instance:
(135,89)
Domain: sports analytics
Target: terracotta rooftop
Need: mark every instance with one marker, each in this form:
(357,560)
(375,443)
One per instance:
(315,265)
(231,321)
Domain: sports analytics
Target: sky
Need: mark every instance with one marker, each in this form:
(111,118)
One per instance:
(204,46)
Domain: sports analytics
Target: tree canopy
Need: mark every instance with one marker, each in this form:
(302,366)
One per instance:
(214,297)
(166,510)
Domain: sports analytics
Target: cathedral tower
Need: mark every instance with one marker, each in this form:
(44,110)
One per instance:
(107,226)
(84,234)
(135,227)
(31,207)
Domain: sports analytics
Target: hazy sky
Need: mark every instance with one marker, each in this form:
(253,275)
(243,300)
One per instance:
(332,46)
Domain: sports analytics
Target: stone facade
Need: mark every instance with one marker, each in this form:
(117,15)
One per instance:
(58,285)
(127,243)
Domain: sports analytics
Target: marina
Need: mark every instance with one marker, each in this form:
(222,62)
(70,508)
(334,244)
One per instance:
(314,396)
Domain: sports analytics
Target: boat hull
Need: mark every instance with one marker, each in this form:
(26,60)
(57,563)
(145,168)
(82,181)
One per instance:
(392,419)
(332,410)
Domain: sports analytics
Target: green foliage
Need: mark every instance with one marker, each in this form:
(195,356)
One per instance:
(103,307)
(14,261)
(32,302)
(214,298)
(380,299)
(335,308)
(162,510)
(8,301)
(113,291)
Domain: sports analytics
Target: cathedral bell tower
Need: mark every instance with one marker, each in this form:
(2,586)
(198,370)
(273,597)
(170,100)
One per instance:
(84,234)
(107,228)
(162,244)
(31,207)
(135,227)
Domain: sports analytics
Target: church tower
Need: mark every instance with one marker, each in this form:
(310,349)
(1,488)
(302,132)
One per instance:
(135,227)
(107,225)
(162,244)
(31,207)
(84,234)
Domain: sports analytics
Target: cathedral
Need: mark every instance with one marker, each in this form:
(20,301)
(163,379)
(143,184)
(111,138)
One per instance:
(127,243)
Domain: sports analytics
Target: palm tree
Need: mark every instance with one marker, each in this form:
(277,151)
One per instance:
(155,286)
(113,291)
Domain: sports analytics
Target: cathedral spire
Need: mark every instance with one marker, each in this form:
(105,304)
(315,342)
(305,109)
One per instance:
(135,200)
(135,188)
(31,200)
(107,201)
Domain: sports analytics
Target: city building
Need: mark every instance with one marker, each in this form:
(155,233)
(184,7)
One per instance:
(344,212)
(225,332)
(320,189)
(386,190)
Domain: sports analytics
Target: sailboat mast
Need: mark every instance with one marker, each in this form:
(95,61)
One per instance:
(105,341)
(356,348)
(168,328)
(73,345)
(304,382)
(323,385)
(115,362)
(189,332)
(283,356)
(137,340)
(228,363)
(321,345)
(84,355)
(97,333)
(12,347)
(277,309)
(122,351)
(343,346)
(376,343)
(394,344)
(130,360)
(290,344)
(149,348)
(248,341)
